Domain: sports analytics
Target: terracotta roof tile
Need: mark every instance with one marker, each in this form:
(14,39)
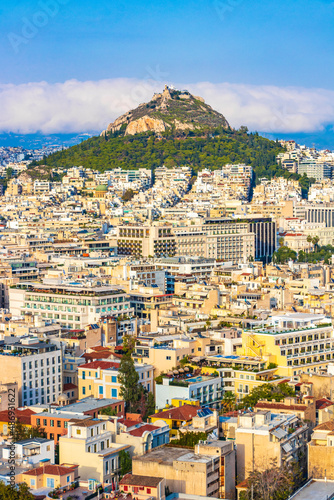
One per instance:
(323,403)
(53,470)
(184,412)
(139,431)
(136,480)
(326,426)
(104,365)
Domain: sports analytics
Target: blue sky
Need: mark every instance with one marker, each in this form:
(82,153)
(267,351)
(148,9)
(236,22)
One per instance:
(282,44)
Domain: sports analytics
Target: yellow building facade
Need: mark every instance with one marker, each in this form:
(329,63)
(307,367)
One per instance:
(296,343)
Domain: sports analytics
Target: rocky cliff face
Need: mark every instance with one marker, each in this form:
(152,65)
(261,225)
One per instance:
(170,110)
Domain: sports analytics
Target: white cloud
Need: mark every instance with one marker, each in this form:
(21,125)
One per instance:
(75,106)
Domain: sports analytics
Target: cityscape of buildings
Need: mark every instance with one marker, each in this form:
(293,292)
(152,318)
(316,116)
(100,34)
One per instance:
(206,297)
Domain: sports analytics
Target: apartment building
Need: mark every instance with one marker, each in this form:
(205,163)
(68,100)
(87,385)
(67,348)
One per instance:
(321,452)
(145,240)
(89,444)
(296,342)
(215,238)
(263,436)
(184,471)
(72,305)
(207,390)
(32,451)
(318,171)
(100,379)
(36,367)
(145,301)
(166,356)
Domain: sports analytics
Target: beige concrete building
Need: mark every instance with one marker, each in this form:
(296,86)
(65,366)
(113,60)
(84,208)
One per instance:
(89,443)
(321,452)
(263,436)
(145,240)
(184,471)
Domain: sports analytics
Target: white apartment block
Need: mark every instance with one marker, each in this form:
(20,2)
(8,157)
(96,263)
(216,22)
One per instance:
(37,369)
(72,305)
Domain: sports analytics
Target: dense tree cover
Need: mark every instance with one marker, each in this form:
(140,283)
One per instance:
(228,401)
(323,253)
(198,149)
(125,463)
(128,195)
(283,255)
(112,412)
(19,492)
(137,398)
(320,253)
(273,483)
(189,439)
(19,431)
(266,391)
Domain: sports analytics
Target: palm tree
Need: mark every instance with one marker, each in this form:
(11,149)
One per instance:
(315,241)
(309,239)
(228,401)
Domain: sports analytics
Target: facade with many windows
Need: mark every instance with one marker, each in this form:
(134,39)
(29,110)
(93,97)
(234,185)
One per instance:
(296,342)
(37,369)
(89,443)
(100,379)
(72,305)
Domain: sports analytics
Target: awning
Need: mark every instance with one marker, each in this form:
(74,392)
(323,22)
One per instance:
(287,447)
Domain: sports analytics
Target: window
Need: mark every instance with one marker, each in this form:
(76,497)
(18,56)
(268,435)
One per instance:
(44,421)
(101,390)
(114,393)
(52,423)
(83,375)
(148,491)
(114,379)
(38,421)
(78,432)
(58,423)
(50,482)
(84,390)
(32,482)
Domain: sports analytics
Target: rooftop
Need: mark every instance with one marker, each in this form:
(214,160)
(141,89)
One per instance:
(167,455)
(315,489)
(137,480)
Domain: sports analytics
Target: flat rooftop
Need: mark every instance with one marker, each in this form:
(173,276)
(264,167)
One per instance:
(89,404)
(167,455)
(321,490)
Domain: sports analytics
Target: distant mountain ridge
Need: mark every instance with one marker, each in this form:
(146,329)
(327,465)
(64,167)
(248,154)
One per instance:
(171,110)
